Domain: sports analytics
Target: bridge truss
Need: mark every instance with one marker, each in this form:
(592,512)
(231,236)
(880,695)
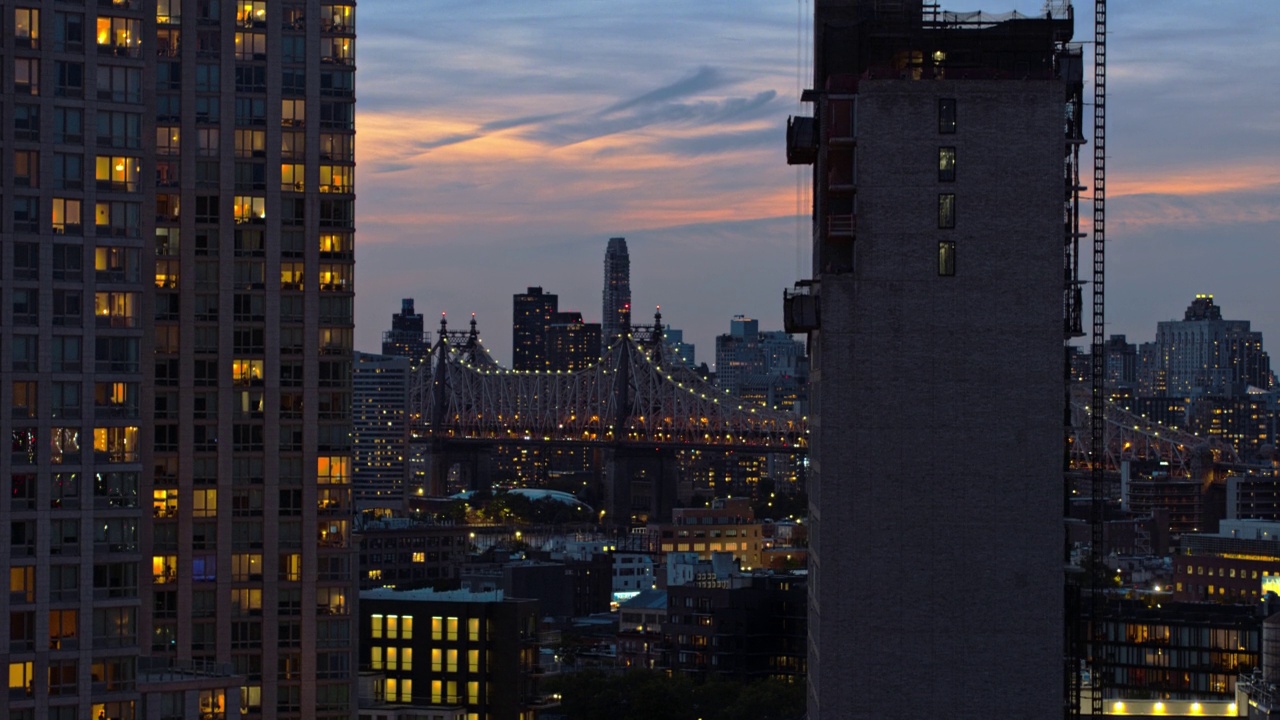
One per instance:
(1131,437)
(638,394)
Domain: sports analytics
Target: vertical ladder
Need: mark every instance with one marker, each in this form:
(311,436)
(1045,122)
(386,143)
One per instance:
(1098,360)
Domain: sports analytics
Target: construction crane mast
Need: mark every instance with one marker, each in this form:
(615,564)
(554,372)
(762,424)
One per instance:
(1098,359)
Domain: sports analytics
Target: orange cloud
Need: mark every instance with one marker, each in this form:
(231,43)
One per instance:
(1241,177)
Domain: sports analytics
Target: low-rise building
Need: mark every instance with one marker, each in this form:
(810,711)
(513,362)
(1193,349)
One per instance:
(723,621)
(729,525)
(1177,651)
(640,621)
(397,552)
(477,650)
(1230,566)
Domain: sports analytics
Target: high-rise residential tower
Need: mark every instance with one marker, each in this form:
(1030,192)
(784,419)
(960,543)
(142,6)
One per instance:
(177,330)
(531,314)
(616,313)
(936,326)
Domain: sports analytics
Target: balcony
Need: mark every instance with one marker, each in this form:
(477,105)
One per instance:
(801,308)
(802,141)
(842,225)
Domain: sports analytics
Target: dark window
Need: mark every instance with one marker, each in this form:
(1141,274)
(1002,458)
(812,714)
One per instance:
(168,74)
(946,115)
(946,210)
(946,257)
(946,164)
(70,79)
(168,107)
(26,122)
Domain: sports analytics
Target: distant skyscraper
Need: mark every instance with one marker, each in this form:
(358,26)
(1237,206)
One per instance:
(685,351)
(616,313)
(380,430)
(1122,363)
(935,527)
(530,317)
(762,366)
(407,336)
(1202,354)
(571,343)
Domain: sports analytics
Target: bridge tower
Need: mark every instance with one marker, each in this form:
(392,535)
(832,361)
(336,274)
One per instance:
(640,483)
(443,456)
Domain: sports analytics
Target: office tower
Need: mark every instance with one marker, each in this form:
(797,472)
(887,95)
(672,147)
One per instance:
(937,390)
(616,313)
(571,343)
(407,336)
(737,353)
(1202,354)
(746,357)
(182,461)
(687,352)
(531,314)
(1122,363)
(380,431)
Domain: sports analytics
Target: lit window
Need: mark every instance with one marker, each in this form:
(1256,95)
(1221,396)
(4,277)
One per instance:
(120,34)
(337,178)
(293,113)
(246,372)
(946,257)
(376,626)
(21,678)
(451,629)
(293,177)
(946,210)
(333,470)
(167,139)
(164,568)
(117,173)
(164,503)
(26,27)
(250,209)
(946,164)
(251,46)
(473,629)
(26,76)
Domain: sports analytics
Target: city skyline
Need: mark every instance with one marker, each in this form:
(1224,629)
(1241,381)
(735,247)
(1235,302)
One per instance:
(664,124)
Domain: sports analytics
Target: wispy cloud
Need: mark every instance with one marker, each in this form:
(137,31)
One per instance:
(501,142)
(704,80)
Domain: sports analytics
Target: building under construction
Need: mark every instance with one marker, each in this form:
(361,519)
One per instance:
(944,149)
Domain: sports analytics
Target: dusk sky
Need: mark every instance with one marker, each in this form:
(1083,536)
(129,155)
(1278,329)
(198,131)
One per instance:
(502,142)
